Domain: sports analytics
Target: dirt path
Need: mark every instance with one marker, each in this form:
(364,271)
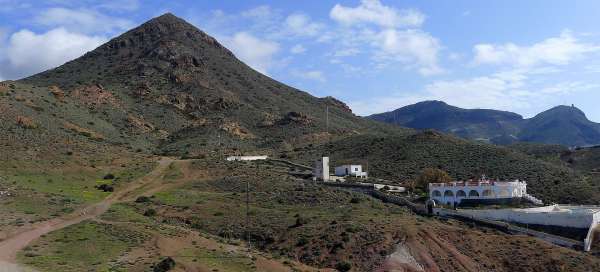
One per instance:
(20,239)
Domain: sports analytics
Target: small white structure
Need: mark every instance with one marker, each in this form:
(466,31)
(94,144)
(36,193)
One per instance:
(454,192)
(246,158)
(354,170)
(392,188)
(321,170)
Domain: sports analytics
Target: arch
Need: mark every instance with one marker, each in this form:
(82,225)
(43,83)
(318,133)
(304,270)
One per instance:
(436,193)
(473,193)
(448,193)
(503,193)
(461,193)
(487,193)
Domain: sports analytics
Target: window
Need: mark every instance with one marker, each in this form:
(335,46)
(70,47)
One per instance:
(356,169)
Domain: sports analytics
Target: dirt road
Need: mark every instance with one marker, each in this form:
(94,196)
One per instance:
(20,239)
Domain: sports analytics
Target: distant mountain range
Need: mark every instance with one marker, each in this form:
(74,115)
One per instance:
(560,125)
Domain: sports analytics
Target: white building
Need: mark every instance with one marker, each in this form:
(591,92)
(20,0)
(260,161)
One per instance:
(321,170)
(246,158)
(453,193)
(350,170)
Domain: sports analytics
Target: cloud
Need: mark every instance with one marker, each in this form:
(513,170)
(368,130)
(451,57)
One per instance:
(510,90)
(120,5)
(82,20)
(560,50)
(373,12)
(28,53)
(311,75)
(392,35)
(346,52)
(302,25)
(298,49)
(255,52)
(409,46)
(263,11)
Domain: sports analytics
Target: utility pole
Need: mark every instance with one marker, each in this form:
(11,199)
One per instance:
(327,119)
(248,214)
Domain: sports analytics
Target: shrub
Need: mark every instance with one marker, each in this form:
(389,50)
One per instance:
(106,188)
(343,266)
(302,241)
(432,175)
(109,176)
(142,199)
(165,265)
(355,200)
(150,212)
(300,221)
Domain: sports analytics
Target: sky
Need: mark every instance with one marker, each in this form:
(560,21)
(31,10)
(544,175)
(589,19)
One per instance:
(374,55)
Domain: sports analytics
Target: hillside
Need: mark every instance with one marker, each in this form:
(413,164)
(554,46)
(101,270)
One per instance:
(560,125)
(96,142)
(402,158)
(166,69)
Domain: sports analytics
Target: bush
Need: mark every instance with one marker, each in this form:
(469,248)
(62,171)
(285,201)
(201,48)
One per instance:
(165,265)
(142,199)
(109,176)
(343,266)
(106,188)
(300,221)
(302,241)
(355,200)
(432,175)
(150,212)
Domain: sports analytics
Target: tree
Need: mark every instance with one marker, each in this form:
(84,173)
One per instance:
(431,175)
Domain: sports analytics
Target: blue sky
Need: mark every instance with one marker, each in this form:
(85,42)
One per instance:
(375,55)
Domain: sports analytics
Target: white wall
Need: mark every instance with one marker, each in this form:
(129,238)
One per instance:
(537,217)
(506,190)
(246,158)
(341,170)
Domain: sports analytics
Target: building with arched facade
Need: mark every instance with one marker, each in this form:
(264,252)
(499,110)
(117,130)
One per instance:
(480,192)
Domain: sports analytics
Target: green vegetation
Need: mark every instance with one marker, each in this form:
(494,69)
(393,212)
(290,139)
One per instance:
(81,247)
(431,175)
(331,223)
(219,260)
(403,158)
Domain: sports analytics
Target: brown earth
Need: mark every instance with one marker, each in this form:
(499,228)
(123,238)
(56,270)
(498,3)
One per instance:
(20,238)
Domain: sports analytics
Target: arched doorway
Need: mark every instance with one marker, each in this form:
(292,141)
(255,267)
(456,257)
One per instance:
(473,193)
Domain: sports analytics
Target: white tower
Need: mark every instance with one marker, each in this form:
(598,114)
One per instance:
(321,171)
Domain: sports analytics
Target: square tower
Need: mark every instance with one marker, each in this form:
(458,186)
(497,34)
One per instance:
(321,171)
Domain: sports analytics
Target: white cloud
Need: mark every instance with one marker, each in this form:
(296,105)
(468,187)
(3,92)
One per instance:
(258,12)
(409,46)
(28,53)
(373,12)
(298,49)
(255,52)
(120,5)
(560,50)
(82,20)
(311,75)
(302,25)
(346,52)
(510,90)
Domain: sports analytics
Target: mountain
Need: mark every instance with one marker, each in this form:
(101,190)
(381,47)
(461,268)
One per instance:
(472,124)
(167,87)
(560,125)
(106,120)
